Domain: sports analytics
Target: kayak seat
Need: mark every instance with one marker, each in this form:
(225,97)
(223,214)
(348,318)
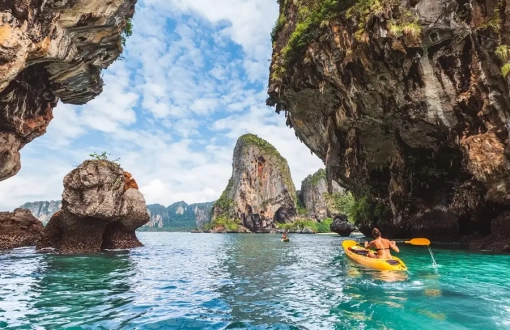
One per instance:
(361,252)
(392,262)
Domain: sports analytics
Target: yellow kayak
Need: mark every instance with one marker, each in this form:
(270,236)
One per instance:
(358,254)
(285,239)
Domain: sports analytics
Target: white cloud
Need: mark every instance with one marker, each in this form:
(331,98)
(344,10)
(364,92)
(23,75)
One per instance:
(191,82)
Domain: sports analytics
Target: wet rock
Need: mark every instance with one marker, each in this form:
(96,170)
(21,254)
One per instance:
(18,229)
(98,212)
(342,226)
(260,193)
(51,51)
(499,239)
(406,105)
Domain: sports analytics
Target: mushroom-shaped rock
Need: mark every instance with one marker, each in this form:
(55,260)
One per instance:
(342,226)
(94,189)
(19,228)
(121,234)
(97,212)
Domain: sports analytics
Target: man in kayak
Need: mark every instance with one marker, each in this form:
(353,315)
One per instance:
(381,246)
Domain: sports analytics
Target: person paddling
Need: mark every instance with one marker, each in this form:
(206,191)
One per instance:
(381,245)
(284,235)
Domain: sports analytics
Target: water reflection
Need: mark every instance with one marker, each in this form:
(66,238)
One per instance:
(258,279)
(16,280)
(356,271)
(66,288)
(207,281)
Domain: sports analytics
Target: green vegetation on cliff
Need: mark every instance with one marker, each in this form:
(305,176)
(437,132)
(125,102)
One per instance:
(221,221)
(358,210)
(127,31)
(341,202)
(224,203)
(299,225)
(505,70)
(313,15)
(300,207)
(316,177)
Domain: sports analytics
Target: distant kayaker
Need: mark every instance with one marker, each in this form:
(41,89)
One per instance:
(284,235)
(381,245)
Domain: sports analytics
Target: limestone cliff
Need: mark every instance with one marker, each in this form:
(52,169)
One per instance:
(178,216)
(260,193)
(43,210)
(407,103)
(315,197)
(51,50)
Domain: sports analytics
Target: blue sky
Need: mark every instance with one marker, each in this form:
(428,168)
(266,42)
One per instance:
(193,78)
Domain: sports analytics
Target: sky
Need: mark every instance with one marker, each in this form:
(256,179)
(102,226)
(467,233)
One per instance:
(192,79)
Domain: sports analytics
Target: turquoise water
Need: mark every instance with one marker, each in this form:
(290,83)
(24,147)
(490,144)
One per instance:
(215,281)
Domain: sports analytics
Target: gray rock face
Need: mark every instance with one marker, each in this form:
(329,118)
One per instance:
(99,211)
(407,105)
(43,210)
(260,192)
(51,50)
(179,216)
(314,195)
(203,213)
(18,229)
(342,226)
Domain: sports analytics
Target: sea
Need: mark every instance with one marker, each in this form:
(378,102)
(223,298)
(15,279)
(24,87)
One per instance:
(251,281)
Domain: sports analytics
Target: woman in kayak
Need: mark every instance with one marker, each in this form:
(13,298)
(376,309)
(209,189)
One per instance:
(381,245)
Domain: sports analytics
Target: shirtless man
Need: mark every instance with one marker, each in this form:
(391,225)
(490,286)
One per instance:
(381,245)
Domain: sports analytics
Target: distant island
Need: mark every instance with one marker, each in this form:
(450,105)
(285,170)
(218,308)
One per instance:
(179,216)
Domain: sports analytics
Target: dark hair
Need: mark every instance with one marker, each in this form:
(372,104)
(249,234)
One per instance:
(376,233)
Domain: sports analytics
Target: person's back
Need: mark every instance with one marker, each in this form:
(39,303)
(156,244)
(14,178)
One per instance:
(381,246)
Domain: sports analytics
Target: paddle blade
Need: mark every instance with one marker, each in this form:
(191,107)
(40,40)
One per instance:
(418,241)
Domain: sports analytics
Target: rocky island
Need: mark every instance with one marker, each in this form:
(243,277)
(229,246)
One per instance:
(101,209)
(260,194)
(407,104)
(18,229)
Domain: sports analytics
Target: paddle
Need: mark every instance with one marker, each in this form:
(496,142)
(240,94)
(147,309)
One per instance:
(418,241)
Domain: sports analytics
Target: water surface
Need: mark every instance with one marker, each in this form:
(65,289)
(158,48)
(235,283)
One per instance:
(214,281)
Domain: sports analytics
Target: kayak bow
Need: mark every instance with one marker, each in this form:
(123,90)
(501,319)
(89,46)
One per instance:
(359,254)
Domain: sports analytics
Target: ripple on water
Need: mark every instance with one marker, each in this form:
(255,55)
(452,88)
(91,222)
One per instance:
(206,281)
